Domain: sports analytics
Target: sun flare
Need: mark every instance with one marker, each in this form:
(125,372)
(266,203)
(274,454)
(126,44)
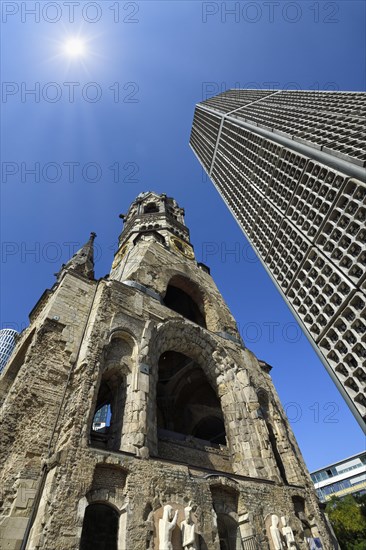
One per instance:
(74,47)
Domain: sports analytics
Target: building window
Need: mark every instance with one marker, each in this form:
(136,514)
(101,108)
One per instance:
(211,428)
(107,416)
(186,402)
(151,208)
(179,301)
(100,528)
(265,410)
(102,419)
(184,297)
(107,420)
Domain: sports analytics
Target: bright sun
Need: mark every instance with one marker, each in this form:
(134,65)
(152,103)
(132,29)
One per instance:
(74,47)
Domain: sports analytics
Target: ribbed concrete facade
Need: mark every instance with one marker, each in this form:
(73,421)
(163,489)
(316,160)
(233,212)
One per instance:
(290,166)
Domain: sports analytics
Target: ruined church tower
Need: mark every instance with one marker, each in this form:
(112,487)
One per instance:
(134,417)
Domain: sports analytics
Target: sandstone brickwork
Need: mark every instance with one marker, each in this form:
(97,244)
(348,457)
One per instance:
(193,415)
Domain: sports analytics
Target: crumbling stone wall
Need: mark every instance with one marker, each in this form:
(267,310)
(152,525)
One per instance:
(33,397)
(84,333)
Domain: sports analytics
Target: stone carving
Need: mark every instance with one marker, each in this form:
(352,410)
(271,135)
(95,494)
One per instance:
(275,533)
(166,526)
(188,529)
(287,533)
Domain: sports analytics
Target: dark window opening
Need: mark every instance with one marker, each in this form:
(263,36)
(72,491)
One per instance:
(264,405)
(300,512)
(187,405)
(212,429)
(178,300)
(100,528)
(151,208)
(299,505)
(179,245)
(273,441)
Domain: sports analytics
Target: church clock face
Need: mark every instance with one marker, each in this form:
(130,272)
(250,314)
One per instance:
(182,247)
(120,254)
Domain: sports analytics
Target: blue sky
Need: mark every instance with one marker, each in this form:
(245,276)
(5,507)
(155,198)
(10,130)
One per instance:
(100,129)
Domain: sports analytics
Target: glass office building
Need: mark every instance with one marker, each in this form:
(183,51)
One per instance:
(347,477)
(8,338)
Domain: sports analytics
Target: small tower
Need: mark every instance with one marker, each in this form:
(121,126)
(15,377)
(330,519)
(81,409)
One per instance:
(82,261)
(135,418)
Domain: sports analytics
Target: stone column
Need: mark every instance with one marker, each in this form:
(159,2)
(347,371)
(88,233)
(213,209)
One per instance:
(135,424)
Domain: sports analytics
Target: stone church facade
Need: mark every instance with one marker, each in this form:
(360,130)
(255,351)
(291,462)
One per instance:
(195,451)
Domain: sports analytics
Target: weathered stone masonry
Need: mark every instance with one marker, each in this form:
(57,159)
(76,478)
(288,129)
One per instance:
(193,415)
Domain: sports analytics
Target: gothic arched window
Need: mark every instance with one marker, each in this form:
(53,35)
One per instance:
(265,410)
(186,402)
(184,297)
(151,208)
(100,528)
(107,421)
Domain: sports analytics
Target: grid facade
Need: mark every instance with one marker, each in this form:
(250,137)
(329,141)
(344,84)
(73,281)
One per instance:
(332,121)
(7,344)
(290,166)
(347,477)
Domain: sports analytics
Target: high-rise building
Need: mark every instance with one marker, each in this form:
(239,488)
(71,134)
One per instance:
(101,418)
(342,478)
(197,452)
(8,338)
(290,166)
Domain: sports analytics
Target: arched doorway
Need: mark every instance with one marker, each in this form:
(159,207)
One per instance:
(225,503)
(100,528)
(228,531)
